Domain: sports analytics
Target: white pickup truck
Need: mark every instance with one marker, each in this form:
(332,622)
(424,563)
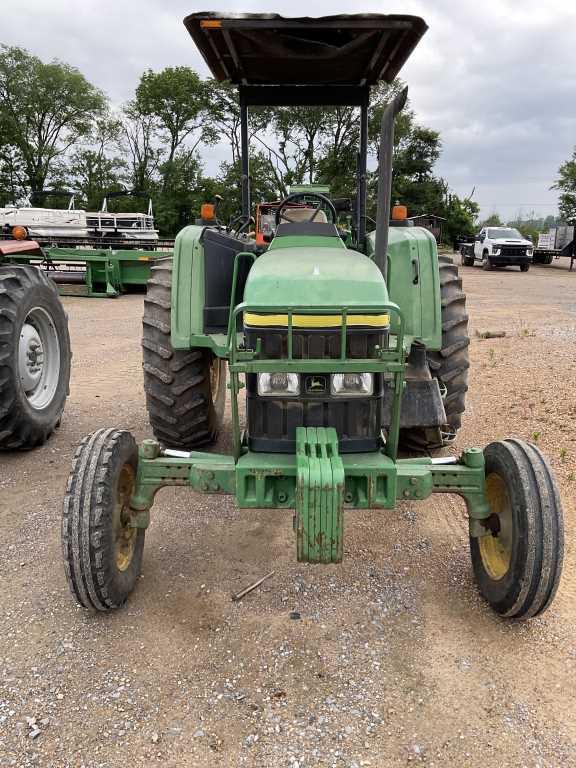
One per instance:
(498,247)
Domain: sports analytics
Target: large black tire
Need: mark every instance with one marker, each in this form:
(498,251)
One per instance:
(543,258)
(467,259)
(185,389)
(35,357)
(524,267)
(518,563)
(450,365)
(102,553)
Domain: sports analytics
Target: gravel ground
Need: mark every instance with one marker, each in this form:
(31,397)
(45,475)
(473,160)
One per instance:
(390,659)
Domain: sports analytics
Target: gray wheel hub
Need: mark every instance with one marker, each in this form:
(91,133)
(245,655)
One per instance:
(39,358)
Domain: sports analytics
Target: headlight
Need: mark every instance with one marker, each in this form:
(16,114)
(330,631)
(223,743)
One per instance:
(496,251)
(529,251)
(278,384)
(352,384)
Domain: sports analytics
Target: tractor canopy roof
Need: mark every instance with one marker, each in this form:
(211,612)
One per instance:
(345,53)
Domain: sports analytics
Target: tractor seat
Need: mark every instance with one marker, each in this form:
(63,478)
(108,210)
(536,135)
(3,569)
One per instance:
(305,228)
(303,214)
(299,223)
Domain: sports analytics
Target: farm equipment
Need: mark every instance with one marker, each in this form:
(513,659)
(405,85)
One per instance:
(99,254)
(34,351)
(557,242)
(94,272)
(345,353)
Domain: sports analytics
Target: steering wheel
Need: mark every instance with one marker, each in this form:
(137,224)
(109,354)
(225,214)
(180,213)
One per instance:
(305,197)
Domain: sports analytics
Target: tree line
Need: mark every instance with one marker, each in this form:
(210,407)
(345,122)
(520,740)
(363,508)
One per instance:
(58,131)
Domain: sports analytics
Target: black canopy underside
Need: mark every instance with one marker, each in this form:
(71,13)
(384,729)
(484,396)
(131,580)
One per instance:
(346,51)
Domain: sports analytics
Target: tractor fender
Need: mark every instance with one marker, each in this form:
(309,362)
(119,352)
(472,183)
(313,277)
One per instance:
(414,282)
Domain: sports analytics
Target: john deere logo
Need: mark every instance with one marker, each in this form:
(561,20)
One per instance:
(316,384)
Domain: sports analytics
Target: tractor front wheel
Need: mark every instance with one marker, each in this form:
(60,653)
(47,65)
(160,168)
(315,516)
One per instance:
(518,562)
(185,388)
(102,551)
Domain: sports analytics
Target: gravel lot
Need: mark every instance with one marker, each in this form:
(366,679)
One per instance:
(395,660)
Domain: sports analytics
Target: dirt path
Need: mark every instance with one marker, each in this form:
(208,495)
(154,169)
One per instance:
(395,659)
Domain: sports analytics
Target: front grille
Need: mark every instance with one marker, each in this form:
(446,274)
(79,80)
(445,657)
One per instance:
(316,344)
(512,250)
(272,421)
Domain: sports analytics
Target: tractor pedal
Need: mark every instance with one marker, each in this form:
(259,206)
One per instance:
(319,518)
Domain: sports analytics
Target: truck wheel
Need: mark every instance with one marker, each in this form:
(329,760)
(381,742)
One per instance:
(467,260)
(518,563)
(34,357)
(486,261)
(524,267)
(450,365)
(185,389)
(102,553)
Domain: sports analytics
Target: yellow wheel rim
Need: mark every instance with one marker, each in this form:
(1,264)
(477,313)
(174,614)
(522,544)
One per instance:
(215,373)
(124,535)
(496,546)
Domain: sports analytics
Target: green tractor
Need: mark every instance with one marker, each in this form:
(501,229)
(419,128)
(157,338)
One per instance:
(35,350)
(344,352)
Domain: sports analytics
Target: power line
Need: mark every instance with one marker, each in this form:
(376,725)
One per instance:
(522,205)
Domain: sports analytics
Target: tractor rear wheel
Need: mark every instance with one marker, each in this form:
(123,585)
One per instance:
(34,357)
(450,365)
(102,551)
(185,389)
(518,562)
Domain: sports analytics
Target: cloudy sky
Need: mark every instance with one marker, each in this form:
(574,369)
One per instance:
(497,78)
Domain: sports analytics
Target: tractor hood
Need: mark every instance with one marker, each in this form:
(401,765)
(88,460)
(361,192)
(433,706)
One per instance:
(320,277)
(511,241)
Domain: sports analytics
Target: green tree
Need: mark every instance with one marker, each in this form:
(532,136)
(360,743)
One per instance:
(320,144)
(460,218)
(176,99)
(528,231)
(224,115)
(566,184)
(144,157)
(95,169)
(416,150)
(45,109)
(12,180)
(493,220)
(263,185)
(179,204)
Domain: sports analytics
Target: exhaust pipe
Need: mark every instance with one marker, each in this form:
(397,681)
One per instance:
(385,179)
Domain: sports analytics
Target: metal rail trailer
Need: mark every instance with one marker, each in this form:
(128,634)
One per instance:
(547,255)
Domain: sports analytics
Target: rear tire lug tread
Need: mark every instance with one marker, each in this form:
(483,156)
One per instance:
(177,385)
